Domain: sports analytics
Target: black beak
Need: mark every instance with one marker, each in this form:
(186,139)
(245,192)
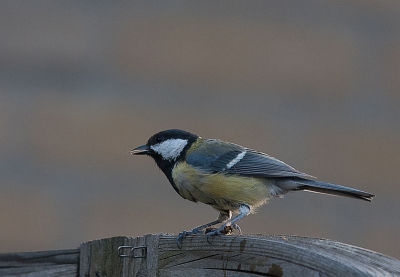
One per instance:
(141,150)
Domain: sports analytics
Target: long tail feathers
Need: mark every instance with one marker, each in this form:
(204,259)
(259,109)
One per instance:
(327,188)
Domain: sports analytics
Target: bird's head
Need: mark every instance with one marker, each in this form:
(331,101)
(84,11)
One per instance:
(166,147)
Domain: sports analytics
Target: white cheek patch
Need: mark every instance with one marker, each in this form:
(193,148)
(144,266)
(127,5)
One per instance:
(170,149)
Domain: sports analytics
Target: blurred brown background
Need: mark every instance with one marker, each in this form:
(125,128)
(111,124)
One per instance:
(315,84)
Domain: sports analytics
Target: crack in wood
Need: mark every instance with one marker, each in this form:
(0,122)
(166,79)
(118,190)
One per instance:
(244,271)
(195,260)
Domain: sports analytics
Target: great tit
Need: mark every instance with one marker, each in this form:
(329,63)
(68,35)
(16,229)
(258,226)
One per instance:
(229,177)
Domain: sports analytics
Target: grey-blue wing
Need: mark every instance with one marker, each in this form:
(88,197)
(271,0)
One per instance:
(216,156)
(259,164)
(212,151)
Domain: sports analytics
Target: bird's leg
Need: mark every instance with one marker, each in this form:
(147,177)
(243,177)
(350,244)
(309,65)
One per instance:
(244,210)
(223,217)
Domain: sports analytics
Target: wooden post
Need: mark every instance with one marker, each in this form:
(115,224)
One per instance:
(136,257)
(233,256)
(248,255)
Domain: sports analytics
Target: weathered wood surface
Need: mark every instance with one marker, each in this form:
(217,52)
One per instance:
(249,255)
(62,263)
(239,256)
(100,258)
(270,256)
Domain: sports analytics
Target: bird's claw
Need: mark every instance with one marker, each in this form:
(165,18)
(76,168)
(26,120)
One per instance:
(237,227)
(180,237)
(223,230)
(215,232)
(185,233)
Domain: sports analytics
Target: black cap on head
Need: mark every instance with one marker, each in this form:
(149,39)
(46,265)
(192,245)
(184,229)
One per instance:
(170,134)
(163,136)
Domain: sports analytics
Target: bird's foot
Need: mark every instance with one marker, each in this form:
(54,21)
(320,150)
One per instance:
(237,227)
(185,233)
(223,230)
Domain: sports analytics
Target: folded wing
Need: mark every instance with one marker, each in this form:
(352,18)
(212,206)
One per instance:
(215,156)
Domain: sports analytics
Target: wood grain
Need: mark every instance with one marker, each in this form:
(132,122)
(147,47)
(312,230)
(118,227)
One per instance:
(271,256)
(43,263)
(247,255)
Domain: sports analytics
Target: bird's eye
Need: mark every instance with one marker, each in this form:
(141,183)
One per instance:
(159,139)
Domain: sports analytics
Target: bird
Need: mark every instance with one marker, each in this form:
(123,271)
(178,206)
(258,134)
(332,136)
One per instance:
(233,179)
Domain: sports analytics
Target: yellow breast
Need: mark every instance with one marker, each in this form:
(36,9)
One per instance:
(223,192)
